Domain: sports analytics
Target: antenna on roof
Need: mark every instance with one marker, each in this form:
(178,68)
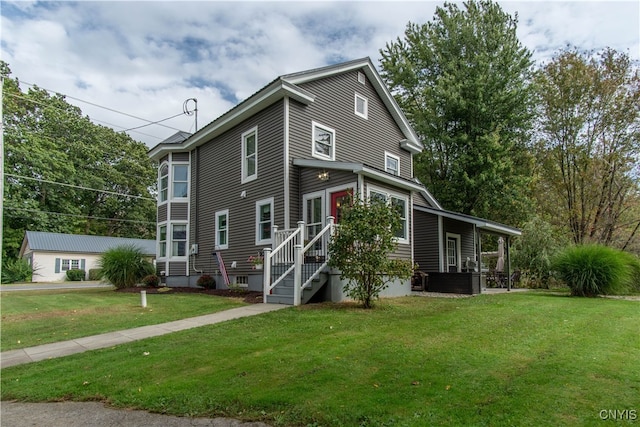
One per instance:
(188,112)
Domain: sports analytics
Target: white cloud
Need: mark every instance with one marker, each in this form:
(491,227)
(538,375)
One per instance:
(147,58)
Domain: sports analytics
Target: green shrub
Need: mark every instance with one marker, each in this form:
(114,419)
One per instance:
(124,266)
(95,274)
(76,275)
(206,281)
(16,270)
(592,270)
(151,281)
(533,251)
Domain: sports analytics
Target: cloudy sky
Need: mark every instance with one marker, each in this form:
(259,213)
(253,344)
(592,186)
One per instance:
(144,59)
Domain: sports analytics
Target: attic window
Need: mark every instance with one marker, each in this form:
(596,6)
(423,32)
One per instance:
(361,78)
(361,106)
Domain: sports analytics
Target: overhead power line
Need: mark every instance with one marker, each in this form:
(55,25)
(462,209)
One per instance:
(79,186)
(98,105)
(78,215)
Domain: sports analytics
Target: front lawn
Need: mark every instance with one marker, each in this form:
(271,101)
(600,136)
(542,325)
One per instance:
(39,317)
(532,358)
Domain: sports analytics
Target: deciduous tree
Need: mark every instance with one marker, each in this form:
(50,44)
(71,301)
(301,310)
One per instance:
(463,81)
(589,144)
(54,156)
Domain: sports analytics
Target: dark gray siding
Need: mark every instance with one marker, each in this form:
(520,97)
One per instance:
(465,230)
(357,139)
(180,157)
(218,187)
(179,211)
(164,159)
(177,269)
(162,212)
(426,243)
(309,183)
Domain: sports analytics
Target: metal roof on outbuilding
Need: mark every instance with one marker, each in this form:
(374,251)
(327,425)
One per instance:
(75,243)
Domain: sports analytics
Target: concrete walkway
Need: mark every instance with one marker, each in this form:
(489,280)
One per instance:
(79,345)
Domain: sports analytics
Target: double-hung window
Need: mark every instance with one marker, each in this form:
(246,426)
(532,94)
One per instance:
(264,221)
(250,155)
(400,204)
(222,229)
(361,106)
(163,187)
(178,240)
(392,164)
(180,181)
(162,241)
(324,142)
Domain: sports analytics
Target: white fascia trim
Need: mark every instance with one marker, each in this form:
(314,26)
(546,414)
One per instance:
(286,183)
(478,222)
(264,98)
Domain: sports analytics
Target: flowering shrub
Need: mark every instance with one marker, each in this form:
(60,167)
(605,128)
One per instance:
(256,260)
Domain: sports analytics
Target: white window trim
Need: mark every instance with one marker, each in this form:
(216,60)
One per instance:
(389,195)
(218,215)
(388,155)
(170,240)
(458,250)
(166,240)
(364,115)
(309,196)
(361,77)
(172,181)
(248,178)
(168,189)
(332,155)
(259,203)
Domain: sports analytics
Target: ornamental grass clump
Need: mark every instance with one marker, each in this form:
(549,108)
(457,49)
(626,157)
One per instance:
(124,266)
(592,270)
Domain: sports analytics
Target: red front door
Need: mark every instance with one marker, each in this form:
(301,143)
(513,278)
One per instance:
(338,201)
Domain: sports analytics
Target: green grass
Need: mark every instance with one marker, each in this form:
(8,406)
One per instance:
(520,359)
(39,317)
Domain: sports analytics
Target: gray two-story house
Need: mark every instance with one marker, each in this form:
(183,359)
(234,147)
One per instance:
(273,172)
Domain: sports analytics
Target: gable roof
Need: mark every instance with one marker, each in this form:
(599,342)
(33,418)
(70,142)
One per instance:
(286,85)
(75,243)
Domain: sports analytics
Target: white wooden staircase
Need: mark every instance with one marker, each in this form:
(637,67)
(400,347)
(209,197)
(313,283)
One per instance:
(293,272)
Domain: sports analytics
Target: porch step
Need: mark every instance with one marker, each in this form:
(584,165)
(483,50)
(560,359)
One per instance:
(283,292)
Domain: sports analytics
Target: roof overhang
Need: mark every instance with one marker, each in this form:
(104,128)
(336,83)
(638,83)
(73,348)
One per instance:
(482,224)
(259,101)
(360,169)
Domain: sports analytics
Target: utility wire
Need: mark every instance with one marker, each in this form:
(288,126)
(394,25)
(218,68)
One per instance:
(153,123)
(97,105)
(78,215)
(79,186)
(47,106)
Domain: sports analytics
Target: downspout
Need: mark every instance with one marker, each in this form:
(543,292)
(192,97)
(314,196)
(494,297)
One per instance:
(287,204)
(196,190)
(441,251)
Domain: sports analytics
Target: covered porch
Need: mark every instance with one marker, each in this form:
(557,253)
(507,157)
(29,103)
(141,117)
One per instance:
(461,266)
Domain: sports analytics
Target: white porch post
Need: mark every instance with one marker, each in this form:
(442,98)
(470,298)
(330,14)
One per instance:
(297,275)
(266,278)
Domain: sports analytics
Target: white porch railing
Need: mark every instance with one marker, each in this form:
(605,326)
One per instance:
(289,255)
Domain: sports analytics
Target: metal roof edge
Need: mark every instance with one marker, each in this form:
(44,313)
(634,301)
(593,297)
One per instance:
(482,223)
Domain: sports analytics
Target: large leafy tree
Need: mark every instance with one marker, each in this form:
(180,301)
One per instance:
(54,158)
(463,80)
(589,145)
